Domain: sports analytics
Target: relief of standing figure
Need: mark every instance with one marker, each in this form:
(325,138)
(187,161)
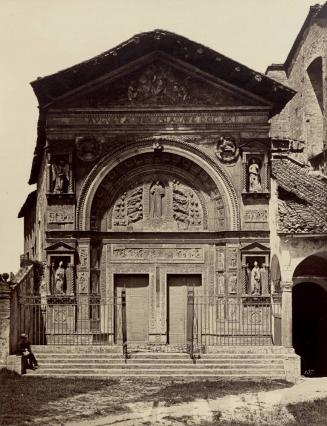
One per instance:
(157,193)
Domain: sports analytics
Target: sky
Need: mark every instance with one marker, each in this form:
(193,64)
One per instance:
(41,37)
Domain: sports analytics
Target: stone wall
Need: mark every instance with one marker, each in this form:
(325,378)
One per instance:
(302,118)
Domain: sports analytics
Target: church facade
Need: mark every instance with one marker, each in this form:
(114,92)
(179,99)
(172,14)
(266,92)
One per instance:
(152,168)
(162,205)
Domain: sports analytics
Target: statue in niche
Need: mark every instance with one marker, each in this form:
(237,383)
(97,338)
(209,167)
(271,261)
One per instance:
(254,176)
(59,278)
(60,175)
(256,280)
(157,192)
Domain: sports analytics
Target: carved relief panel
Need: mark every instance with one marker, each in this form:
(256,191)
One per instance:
(158,192)
(158,204)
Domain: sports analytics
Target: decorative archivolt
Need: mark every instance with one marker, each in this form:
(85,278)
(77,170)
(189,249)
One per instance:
(220,189)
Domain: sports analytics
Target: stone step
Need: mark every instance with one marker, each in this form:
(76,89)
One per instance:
(77,360)
(128,365)
(160,371)
(164,349)
(155,374)
(77,348)
(157,357)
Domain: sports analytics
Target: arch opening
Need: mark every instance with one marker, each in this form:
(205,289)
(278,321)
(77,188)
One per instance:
(310,314)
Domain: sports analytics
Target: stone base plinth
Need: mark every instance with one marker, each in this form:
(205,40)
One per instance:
(14,363)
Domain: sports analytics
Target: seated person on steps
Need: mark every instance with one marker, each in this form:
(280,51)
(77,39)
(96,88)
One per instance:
(28,358)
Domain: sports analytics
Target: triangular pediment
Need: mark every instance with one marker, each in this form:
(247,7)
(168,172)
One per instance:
(159,81)
(255,247)
(60,247)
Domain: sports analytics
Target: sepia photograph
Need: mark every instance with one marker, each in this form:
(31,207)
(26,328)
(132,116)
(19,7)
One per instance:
(163,212)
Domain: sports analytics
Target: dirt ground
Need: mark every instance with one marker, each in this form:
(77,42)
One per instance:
(51,401)
(162,401)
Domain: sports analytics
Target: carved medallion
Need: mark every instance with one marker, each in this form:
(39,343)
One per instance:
(226,149)
(88,149)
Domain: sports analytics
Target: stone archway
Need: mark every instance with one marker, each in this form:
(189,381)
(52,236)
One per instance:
(310,314)
(189,154)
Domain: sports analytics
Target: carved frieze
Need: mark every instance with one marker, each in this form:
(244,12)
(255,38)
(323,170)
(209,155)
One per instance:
(159,254)
(157,119)
(256,216)
(60,214)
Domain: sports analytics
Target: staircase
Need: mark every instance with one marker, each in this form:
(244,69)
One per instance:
(102,361)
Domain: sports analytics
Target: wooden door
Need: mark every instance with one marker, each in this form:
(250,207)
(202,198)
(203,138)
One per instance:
(178,315)
(137,306)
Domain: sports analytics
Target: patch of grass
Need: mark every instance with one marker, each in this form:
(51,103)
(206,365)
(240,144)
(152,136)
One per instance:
(311,413)
(187,391)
